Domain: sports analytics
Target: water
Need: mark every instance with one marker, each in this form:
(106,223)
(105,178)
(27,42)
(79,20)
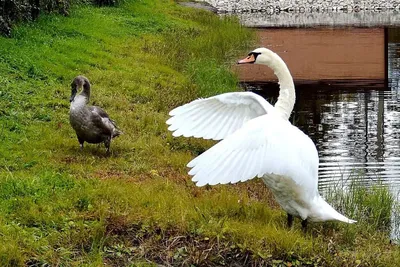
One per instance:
(355,129)
(354,122)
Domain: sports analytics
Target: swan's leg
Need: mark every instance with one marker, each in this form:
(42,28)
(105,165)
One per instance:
(290,220)
(304,225)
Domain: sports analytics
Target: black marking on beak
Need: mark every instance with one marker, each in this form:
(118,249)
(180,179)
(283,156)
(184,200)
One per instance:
(255,54)
(73,94)
(250,59)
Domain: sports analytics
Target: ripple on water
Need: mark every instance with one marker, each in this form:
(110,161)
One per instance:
(356,132)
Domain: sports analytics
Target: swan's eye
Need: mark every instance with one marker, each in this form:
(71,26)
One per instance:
(254,54)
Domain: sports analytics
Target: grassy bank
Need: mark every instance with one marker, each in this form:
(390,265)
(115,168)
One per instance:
(65,207)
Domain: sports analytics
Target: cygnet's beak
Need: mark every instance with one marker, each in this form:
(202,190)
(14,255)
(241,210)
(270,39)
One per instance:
(248,60)
(73,94)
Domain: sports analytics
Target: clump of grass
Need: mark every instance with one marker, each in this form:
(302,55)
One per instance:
(370,204)
(373,206)
(205,50)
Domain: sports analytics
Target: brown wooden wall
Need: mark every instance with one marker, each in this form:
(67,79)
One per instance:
(319,54)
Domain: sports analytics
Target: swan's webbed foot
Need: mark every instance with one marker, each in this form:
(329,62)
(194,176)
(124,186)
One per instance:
(304,224)
(290,220)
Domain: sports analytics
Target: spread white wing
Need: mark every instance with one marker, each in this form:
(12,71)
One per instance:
(265,145)
(217,117)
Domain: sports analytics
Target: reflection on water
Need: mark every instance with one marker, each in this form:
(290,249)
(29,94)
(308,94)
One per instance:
(355,133)
(356,130)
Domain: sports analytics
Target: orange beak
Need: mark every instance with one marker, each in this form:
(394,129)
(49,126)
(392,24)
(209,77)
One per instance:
(248,60)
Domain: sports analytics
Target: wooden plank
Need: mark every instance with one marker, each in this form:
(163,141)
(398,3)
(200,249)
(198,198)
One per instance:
(322,54)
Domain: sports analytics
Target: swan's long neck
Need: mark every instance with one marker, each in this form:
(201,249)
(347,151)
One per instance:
(287,96)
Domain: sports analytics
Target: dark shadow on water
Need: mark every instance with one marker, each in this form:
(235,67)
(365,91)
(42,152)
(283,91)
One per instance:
(268,88)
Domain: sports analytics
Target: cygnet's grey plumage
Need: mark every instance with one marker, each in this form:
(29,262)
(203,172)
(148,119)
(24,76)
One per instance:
(91,124)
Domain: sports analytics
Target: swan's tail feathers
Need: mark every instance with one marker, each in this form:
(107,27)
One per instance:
(345,219)
(331,214)
(339,217)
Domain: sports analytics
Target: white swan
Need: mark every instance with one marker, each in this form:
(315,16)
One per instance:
(258,141)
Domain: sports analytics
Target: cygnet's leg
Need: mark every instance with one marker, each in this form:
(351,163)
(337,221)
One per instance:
(107,144)
(81,141)
(304,224)
(290,220)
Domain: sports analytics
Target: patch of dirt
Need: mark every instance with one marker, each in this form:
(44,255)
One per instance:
(69,160)
(171,248)
(257,190)
(111,174)
(130,243)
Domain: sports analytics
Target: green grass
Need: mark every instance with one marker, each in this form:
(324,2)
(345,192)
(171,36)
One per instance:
(373,204)
(65,207)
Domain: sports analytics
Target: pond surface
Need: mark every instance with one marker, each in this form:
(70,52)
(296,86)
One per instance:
(354,122)
(356,129)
